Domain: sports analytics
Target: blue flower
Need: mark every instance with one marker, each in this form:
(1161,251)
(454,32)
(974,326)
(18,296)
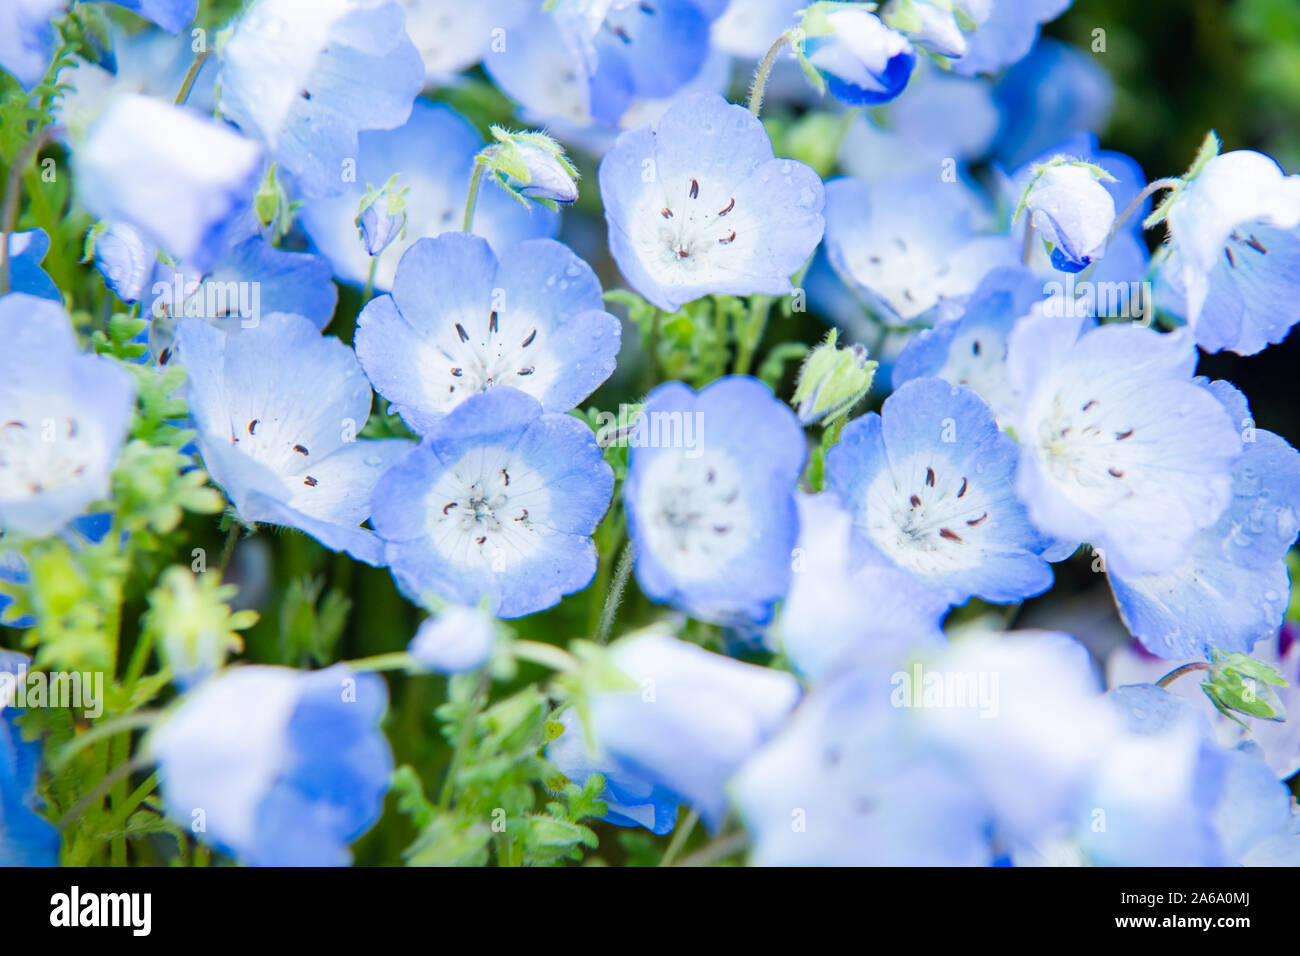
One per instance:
(26,250)
(64,415)
(1231,587)
(1073,212)
(844,784)
(981,36)
(125,258)
(201,172)
(1114,277)
(455,640)
(172,15)
(1235,253)
(692,718)
(632,799)
(452,35)
(1119,447)
(1172,797)
(840,612)
(863,61)
(277,408)
(908,244)
(306,78)
(27,44)
(699,205)
(26,838)
(499,501)
(972,348)
(587,60)
(941,116)
(930,482)
(459,322)
(250,279)
(710,498)
(282,767)
(434,155)
(1051,96)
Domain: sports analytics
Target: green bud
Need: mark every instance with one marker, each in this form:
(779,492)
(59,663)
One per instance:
(194,626)
(832,381)
(1239,683)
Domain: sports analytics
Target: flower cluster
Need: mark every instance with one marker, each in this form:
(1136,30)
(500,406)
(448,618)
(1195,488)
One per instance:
(312,372)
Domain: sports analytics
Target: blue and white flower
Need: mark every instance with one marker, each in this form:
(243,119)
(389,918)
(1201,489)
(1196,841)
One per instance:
(172,15)
(250,280)
(124,257)
(844,784)
(841,612)
(26,250)
(699,205)
(1072,211)
(498,502)
(282,767)
(585,61)
(1119,447)
(692,718)
(631,798)
(930,482)
(306,77)
(1231,587)
(909,246)
(201,172)
(278,408)
(972,348)
(710,498)
(1234,254)
(455,640)
(26,838)
(862,61)
(27,44)
(63,418)
(979,36)
(460,322)
(433,153)
(452,35)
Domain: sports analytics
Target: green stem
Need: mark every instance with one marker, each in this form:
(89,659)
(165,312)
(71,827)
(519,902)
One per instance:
(718,850)
(760,307)
(764,70)
(396,661)
(228,549)
(680,836)
(548,655)
(9,210)
(191,75)
(615,596)
(369,290)
(1178,672)
(1150,190)
(471,200)
(138,720)
(462,742)
(109,780)
(1027,253)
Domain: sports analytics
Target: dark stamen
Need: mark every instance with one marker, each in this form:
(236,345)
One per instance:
(309,481)
(730,239)
(480,541)
(963,488)
(666,212)
(975,521)
(730,206)
(448,506)
(1231,261)
(975,347)
(929,477)
(252,426)
(460,330)
(1115,472)
(506,475)
(1120,436)
(945,533)
(1256,245)
(529,341)
(1091,402)
(492,322)
(695,189)
(527,371)
(165,356)
(301,449)
(457,372)
(916,502)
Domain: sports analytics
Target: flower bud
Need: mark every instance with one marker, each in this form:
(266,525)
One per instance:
(1073,211)
(861,60)
(832,381)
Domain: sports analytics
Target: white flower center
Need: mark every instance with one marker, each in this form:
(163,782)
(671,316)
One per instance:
(929,518)
(40,454)
(691,223)
(1088,445)
(489,510)
(695,514)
